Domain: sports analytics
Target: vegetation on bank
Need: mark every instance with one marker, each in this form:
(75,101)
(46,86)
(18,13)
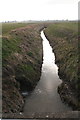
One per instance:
(22,60)
(63,38)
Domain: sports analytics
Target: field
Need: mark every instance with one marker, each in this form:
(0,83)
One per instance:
(7,27)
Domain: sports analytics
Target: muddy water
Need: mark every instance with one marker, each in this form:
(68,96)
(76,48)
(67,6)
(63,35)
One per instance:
(45,97)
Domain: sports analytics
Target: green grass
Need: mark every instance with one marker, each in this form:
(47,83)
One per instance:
(7,27)
(63,38)
(30,54)
(10,42)
(26,68)
(68,29)
(10,45)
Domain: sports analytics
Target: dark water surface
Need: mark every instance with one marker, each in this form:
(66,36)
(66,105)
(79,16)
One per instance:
(45,97)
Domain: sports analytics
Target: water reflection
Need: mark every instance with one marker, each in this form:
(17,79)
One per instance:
(49,57)
(45,97)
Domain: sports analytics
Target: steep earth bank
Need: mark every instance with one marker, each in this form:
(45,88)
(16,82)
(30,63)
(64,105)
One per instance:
(63,38)
(22,60)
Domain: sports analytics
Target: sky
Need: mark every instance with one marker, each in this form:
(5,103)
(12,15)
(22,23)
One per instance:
(20,10)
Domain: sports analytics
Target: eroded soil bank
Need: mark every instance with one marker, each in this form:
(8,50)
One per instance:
(64,39)
(22,61)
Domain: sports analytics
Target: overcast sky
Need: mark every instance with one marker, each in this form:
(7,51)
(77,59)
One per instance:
(20,10)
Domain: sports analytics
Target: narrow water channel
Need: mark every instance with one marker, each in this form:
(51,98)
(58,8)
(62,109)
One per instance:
(45,97)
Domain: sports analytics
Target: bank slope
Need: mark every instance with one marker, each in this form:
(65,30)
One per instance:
(63,38)
(22,60)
